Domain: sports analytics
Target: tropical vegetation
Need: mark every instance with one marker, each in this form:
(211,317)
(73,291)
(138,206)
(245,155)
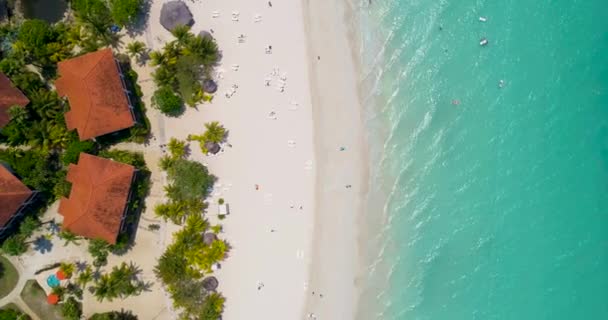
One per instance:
(169,103)
(12,314)
(121,282)
(183,63)
(214,133)
(71,309)
(184,263)
(114,315)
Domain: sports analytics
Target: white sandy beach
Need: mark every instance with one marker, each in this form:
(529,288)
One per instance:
(297,234)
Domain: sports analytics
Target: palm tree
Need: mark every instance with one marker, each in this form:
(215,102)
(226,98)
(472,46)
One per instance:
(105,288)
(29,225)
(173,211)
(215,132)
(182,34)
(163,76)
(203,48)
(136,49)
(46,104)
(69,237)
(85,277)
(156,58)
(18,114)
(67,268)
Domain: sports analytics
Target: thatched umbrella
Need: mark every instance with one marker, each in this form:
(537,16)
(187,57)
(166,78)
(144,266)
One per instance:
(209,237)
(175,13)
(210,283)
(212,147)
(205,34)
(209,86)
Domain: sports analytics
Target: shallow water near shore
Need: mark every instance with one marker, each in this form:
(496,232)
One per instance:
(489,199)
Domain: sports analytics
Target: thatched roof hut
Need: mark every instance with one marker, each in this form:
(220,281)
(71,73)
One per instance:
(212,147)
(210,283)
(175,13)
(209,237)
(209,86)
(205,34)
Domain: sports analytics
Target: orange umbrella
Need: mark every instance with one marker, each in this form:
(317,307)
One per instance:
(52,298)
(61,275)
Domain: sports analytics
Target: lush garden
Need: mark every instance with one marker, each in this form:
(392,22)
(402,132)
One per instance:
(186,261)
(12,312)
(180,67)
(40,147)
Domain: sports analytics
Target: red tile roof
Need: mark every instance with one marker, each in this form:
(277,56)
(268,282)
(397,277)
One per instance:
(100,188)
(9,96)
(98,103)
(13,194)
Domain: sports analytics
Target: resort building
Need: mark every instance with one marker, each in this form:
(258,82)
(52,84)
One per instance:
(9,96)
(97,205)
(95,88)
(14,198)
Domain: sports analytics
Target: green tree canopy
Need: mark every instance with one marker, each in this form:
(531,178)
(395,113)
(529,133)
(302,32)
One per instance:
(10,314)
(99,249)
(165,100)
(120,283)
(96,19)
(114,315)
(74,148)
(33,36)
(14,245)
(28,226)
(189,180)
(212,307)
(124,12)
(71,309)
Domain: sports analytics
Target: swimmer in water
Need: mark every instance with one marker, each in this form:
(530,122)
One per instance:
(455,102)
(501,83)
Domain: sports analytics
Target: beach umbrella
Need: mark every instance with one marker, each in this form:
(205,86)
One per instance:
(209,237)
(60,275)
(205,34)
(212,147)
(210,283)
(52,298)
(209,86)
(175,13)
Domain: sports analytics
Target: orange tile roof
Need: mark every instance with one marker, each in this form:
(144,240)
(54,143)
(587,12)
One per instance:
(9,96)
(98,104)
(100,188)
(13,194)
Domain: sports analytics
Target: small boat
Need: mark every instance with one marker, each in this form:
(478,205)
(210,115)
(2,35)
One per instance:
(483,19)
(483,42)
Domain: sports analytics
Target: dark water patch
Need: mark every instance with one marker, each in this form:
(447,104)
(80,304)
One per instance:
(48,10)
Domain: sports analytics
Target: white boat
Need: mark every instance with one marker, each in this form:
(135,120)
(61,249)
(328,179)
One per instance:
(483,42)
(483,19)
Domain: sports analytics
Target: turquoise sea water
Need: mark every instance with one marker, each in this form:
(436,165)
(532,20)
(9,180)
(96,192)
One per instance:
(495,208)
